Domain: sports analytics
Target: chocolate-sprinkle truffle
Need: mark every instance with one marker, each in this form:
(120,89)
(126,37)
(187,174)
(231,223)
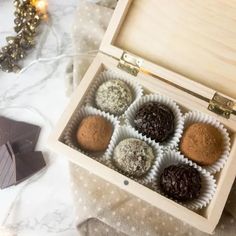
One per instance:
(155,120)
(181,182)
(94,134)
(202,143)
(133,156)
(113,96)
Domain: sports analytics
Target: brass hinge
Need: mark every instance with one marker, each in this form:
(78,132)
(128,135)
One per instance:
(130,64)
(221,105)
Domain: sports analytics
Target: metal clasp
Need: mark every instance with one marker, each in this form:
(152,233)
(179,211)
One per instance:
(221,105)
(130,64)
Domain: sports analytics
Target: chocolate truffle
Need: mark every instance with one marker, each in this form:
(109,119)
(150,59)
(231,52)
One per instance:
(181,182)
(113,96)
(94,134)
(155,120)
(202,143)
(133,156)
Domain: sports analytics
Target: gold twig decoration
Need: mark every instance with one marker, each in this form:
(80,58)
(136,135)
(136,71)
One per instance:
(28,15)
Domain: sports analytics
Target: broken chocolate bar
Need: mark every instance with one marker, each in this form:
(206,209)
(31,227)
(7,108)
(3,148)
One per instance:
(14,168)
(28,164)
(23,136)
(7,166)
(18,160)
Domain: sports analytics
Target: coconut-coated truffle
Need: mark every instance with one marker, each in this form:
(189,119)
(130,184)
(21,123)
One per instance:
(94,133)
(133,156)
(155,120)
(202,143)
(113,96)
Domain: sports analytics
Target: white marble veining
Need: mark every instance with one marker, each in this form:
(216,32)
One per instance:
(43,204)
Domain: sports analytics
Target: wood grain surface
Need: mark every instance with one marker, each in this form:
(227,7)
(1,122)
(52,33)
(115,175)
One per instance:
(194,38)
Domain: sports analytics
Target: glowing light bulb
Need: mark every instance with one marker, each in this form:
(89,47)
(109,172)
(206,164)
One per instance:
(41,6)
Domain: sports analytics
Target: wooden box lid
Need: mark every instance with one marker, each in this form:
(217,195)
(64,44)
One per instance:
(194,39)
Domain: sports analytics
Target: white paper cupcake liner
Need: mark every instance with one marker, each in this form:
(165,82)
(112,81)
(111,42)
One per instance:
(124,133)
(195,117)
(179,123)
(137,90)
(69,135)
(208,183)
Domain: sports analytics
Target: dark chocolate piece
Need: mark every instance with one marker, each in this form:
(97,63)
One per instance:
(14,168)
(181,182)
(7,166)
(18,160)
(22,136)
(28,164)
(155,120)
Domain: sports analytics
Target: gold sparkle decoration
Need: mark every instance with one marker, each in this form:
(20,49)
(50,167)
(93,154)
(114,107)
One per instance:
(28,15)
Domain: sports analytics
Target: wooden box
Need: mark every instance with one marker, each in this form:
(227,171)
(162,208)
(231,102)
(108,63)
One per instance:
(185,50)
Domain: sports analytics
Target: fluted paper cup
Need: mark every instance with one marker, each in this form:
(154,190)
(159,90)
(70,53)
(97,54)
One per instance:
(110,74)
(69,135)
(174,139)
(196,117)
(208,183)
(124,133)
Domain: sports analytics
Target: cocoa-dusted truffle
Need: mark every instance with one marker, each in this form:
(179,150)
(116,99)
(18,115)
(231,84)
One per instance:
(155,120)
(94,134)
(181,182)
(202,143)
(133,156)
(113,96)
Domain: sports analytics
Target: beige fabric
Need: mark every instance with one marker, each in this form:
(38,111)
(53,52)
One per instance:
(103,209)
(97,200)
(90,24)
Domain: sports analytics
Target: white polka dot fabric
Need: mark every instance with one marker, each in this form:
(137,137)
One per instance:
(103,209)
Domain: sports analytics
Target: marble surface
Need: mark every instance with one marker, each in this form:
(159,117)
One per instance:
(43,204)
